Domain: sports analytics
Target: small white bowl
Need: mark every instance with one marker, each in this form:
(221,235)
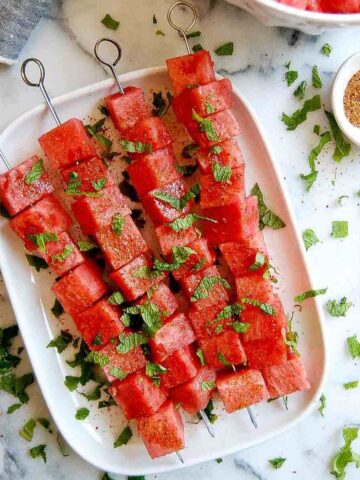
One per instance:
(275,14)
(347,70)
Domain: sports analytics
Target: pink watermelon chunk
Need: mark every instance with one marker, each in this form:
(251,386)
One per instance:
(137,395)
(263,353)
(18,190)
(227,154)
(200,260)
(205,324)
(62,255)
(162,432)
(256,288)
(195,394)
(285,378)
(66,144)
(163,298)
(169,238)
(241,389)
(151,132)
(181,366)
(127,109)
(223,350)
(218,193)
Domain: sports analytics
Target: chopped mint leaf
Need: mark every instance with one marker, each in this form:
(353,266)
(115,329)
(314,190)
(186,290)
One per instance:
(186,170)
(340,229)
(38,451)
(222,359)
(197,33)
(309,294)
(346,454)
(154,20)
(86,245)
(82,413)
(40,239)
(131,341)
(36,172)
(230,311)
(291,76)
(309,179)
(351,385)
(264,307)
(209,109)
(206,126)
(343,147)
(299,92)
(110,22)
(124,437)
(221,173)
(94,395)
(146,272)
(266,217)
(176,202)
(322,404)
(71,382)
(61,257)
(16,386)
(316,129)
(353,346)
(315,152)
(200,355)
(240,327)
(326,49)
(185,222)
(27,431)
(316,80)
(135,147)
(299,116)
(338,309)
(225,49)
(99,184)
(107,144)
(118,373)
(116,298)
(44,422)
(206,386)
(104,110)
(153,370)
(161,106)
(57,308)
(209,412)
(277,462)
(341,199)
(97,340)
(197,47)
(310,238)
(205,286)
(160,32)
(117,224)
(61,341)
(287,65)
(292,338)
(98,358)
(180,256)
(13,408)
(37,262)
(258,262)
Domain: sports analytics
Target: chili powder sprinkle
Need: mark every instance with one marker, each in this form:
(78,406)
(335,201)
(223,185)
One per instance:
(352,100)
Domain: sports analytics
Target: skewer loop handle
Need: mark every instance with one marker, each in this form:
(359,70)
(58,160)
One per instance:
(110,65)
(183,31)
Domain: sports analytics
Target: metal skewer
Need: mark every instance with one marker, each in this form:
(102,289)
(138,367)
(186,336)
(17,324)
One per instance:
(111,66)
(5,160)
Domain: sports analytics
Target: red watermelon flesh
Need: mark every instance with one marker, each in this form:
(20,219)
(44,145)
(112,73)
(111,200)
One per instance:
(189,70)
(314,6)
(120,248)
(227,154)
(204,321)
(256,288)
(243,261)
(163,298)
(137,395)
(301,4)
(80,288)
(96,213)
(176,333)
(66,144)
(229,223)
(220,193)
(127,109)
(200,260)
(169,238)
(130,278)
(88,173)
(152,132)
(195,394)
(46,216)
(241,389)
(16,194)
(263,353)
(204,99)
(181,366)
(57,256)
(223,125)
(160,211)
(285,378)
(223,349)
(162,432)
(99,324)
(153,170)
(343,6)
(129,362)
(250,224)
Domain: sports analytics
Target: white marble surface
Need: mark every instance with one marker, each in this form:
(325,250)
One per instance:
(63,41)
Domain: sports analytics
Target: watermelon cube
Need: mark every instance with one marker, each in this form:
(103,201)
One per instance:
(256,288)
(92,176)
(137,395)
(227,154)
(152,132)
(250,224)
(200,260)
(301,4)
(195,394)
(224,350)
(99,324)
(128,108)
(135,278)
(62,255)
(221,193)
(176,333)
(163,431)
(181,366)
(204,99)
(241,389)
(123,245)
(169,238)
(218,128)
(19,190)
(128,362)
(96,213)
(46,216)
(216,294)
(66,144)
(161,211)
(80,288)
(153,170)
(262,353)
(286,378)
(163,298)
(205,323)
(314,6)
(190,70)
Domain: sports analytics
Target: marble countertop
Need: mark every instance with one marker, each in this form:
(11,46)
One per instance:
(63,40)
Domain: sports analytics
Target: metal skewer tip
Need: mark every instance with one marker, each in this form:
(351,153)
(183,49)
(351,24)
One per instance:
(249,409)
(183,31)
(5,160)
(180,457)
(208,425)
(110,65)
(39,84)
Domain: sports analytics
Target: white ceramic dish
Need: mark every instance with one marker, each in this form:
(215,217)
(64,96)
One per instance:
(31,298)
(347,70)
(274,14)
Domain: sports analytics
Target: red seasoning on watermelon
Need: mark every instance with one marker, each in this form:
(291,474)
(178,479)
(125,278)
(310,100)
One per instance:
(163,298)
(228,154)
(217,128)
(263,353)
(241,389)
(149,135)
(162,432)
(205,323)
(127,109)
(169,238)
(91,176)
(62,255)
(202,258)
(224,350)
(181,366)
(66,144)
(285,378)
(217,191)
(24,185)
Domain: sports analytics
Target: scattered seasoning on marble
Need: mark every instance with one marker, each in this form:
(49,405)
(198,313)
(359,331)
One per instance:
(352,100)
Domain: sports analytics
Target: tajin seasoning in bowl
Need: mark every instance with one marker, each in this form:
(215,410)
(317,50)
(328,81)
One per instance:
(352,100)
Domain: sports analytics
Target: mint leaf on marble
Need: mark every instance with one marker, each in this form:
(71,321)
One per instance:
(338,309)
(353,346)
(38,451)
(316,80)
(322,405)
(343,147)
(351,385)
(309,238)
(267,218)
(277,462)
(340,229)
(109,22)
(309,294)
(299,92)
(225,49)
(326,49)
(291,76)
(124,437)
(82,413)
(346,455)
(299,116)
(315,152)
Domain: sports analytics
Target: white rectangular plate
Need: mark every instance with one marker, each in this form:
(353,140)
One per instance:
(32,299)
